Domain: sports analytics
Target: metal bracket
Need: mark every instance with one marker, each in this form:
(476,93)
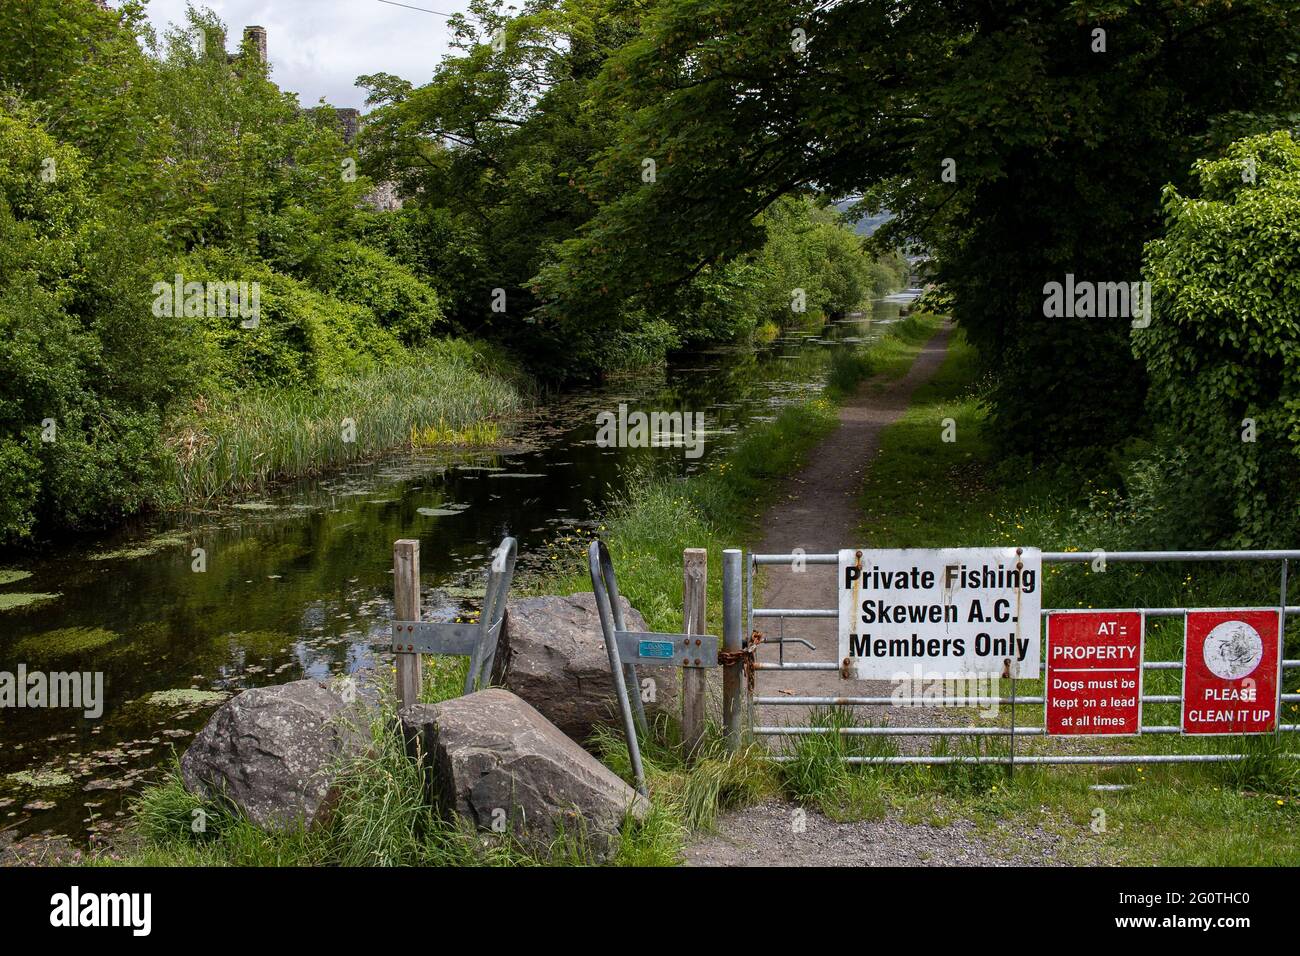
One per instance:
(649,647)
(424,637)
(478,641)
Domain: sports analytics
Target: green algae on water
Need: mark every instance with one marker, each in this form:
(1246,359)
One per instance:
(142,550)
(24,599)
(64,641)
(184,697)
(40,778)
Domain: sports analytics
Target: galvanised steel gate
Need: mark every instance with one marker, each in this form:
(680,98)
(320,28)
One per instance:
(748,646)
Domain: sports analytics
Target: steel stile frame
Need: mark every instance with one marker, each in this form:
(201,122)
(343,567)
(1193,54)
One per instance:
(626,648)
(478,641)
(1013,732)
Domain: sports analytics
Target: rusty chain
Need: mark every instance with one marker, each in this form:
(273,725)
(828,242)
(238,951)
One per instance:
(744,657)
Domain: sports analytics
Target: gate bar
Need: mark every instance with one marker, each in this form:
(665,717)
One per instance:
(944,701)
(1058,759)
(890,731)
(1077,557)
(801,612)
(832,666)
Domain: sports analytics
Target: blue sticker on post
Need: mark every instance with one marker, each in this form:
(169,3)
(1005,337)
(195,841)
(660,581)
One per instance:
(660,649)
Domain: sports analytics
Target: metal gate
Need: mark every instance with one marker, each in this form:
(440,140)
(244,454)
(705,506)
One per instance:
(755,669)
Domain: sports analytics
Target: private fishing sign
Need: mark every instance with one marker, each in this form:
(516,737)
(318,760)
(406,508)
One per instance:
(941,612)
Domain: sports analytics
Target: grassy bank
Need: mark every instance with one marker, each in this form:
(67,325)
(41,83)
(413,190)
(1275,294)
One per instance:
(243,441)
(380,818)
(925,492)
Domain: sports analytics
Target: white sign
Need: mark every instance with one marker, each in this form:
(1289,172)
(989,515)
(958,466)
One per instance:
(948,612)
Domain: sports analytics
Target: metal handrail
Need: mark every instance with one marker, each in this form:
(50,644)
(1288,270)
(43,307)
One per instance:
(604,586)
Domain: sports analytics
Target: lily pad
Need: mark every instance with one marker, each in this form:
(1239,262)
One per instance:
(254,506)
(126,554)
(441,512)
(462,593)
(10,575)
(141,550)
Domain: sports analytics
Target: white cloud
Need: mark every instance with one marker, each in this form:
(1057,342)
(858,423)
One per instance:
(318,48)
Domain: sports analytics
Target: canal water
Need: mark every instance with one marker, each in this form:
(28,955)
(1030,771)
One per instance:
(298,583)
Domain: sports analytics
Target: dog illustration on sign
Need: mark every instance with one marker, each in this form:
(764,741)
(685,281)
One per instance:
(1232,650)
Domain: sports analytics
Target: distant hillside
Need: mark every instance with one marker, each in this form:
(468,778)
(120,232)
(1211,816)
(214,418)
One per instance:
(867,224)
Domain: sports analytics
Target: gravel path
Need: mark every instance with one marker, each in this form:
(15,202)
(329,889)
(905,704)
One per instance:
(766,835)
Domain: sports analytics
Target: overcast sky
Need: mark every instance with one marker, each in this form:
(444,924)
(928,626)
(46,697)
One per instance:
(319,47)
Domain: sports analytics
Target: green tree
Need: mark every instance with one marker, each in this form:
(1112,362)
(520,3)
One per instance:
(79,410)
(1223,348)
(489,154)
(1057,151)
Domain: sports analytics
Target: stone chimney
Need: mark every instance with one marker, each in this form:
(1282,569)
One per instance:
(214,44)
(349,121)
(255,38)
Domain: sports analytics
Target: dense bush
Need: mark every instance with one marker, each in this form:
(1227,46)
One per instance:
(301,337)
(1223,349)
(79,409)
(401,303)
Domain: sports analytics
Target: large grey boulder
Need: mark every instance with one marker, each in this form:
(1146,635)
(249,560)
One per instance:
(551,653)
(492,759)
(272,752)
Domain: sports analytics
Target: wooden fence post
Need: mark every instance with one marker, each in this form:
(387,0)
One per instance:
(695,604)
(406,607)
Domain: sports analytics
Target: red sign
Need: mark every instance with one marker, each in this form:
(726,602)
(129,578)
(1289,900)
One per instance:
(1094,672)
(1231,664)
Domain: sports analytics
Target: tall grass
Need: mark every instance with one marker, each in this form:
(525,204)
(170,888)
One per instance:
(693,791)
(244,441)
(887,358)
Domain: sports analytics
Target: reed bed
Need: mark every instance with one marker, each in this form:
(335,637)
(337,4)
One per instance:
(243,442)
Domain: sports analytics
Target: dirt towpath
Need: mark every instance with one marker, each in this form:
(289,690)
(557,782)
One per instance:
(819,511)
